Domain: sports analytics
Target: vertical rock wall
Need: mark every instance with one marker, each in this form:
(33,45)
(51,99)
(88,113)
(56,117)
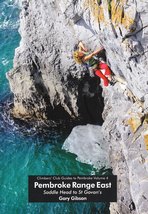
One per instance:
(45,77)
(124,130)
(49,31)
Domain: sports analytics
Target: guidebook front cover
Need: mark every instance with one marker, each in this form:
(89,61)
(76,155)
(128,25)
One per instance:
(73,107)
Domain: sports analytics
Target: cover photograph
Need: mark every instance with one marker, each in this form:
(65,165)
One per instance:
(73,107)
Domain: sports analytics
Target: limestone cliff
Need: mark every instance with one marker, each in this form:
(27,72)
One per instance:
(45,80)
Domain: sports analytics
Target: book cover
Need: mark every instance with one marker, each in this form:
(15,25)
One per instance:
(73,107)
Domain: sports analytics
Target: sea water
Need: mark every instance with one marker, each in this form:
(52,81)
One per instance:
(25,151)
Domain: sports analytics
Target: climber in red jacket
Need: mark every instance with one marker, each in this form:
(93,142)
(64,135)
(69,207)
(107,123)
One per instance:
(100,68)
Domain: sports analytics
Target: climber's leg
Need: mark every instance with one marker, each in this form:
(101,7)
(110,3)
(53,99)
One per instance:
(106,68)
(102,76)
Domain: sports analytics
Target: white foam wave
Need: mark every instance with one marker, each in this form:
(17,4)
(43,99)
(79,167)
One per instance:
(7,10)
(5,61)
(11,3)
(8,24)
(18,2)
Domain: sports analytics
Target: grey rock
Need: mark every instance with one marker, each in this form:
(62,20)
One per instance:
(48,38)
(87,143)
(128,154)
(49,32)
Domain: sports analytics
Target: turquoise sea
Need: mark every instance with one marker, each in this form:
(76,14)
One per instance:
(25,151)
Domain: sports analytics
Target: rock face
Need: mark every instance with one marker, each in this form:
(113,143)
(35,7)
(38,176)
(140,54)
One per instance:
(124,133)
(88,144)
(45,80)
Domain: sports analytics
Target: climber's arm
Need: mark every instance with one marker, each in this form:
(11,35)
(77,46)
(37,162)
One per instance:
(97,51)
(86,58)
(82,46)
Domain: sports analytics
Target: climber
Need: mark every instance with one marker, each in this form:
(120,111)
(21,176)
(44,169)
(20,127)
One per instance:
(100,68)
